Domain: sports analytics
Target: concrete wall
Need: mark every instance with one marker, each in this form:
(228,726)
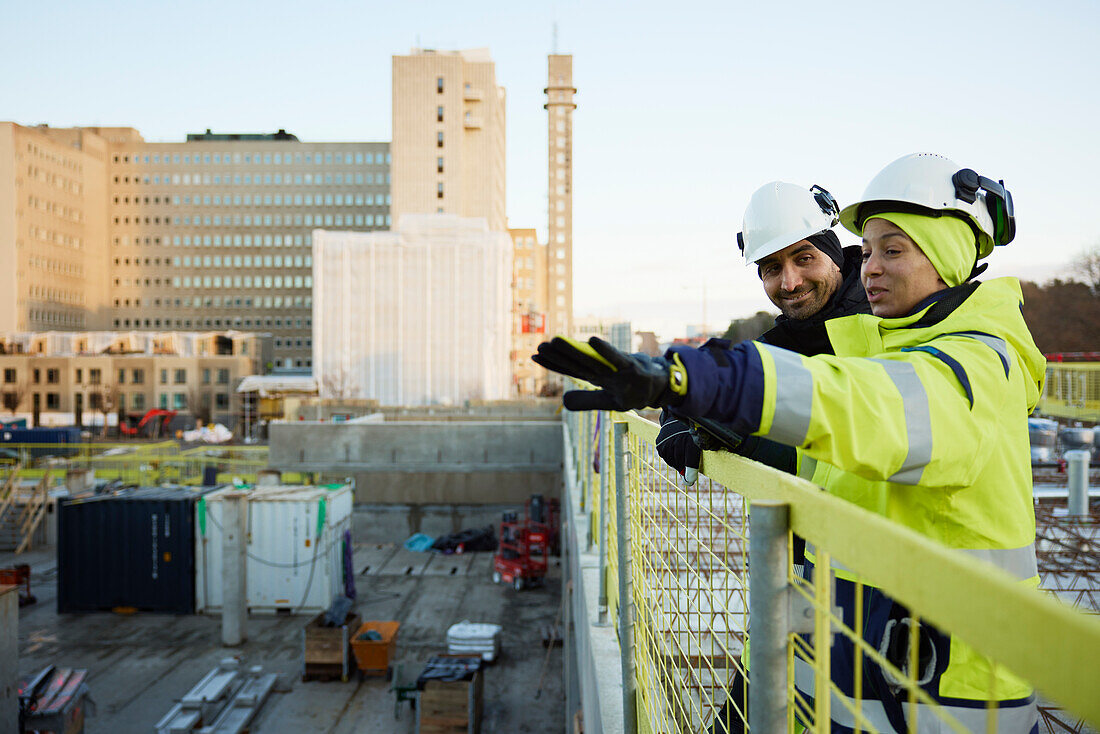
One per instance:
(409,463)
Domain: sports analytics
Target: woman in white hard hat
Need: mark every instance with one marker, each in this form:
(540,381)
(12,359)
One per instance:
(921,417)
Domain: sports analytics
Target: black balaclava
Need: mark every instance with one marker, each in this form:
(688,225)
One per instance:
(829,243)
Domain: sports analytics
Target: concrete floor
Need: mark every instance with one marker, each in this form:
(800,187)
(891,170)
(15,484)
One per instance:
(140,665)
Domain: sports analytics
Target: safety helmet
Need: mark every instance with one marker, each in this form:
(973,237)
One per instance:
(929,184)
(780,214)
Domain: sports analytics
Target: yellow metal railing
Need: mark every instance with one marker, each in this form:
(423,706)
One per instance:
(688,590)
(1072,391)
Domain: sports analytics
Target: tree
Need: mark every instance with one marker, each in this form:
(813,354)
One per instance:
(338,383)
(104,398)
(198,404)
(1063,316)
(1086,268)
(741,329)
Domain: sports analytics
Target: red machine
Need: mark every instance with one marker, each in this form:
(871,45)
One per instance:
(165,417)
(521,559)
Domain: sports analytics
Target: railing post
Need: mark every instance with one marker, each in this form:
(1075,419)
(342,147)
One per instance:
(605,474)
(768,612)
(626,597)
(1078,471)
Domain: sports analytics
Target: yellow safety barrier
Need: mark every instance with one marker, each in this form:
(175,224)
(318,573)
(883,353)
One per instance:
(687,587)
(1072,391)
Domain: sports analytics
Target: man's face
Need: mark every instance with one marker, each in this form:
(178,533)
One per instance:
(799,279)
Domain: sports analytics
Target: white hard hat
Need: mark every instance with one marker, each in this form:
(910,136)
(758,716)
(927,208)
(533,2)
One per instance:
(780,214)
(929,184)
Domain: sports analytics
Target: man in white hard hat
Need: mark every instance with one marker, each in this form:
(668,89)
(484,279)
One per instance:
(787,233)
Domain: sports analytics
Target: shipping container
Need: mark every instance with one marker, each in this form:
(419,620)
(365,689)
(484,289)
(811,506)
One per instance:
(130,549)
(296,546)
(43,436)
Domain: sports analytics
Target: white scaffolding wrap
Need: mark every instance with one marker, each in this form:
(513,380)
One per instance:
(416,316)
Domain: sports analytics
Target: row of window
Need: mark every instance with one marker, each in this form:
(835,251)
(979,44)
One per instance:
(217,240)
(266,220)
(52,376)
(57,295)
(46,234)
(229,323)
(59,267)
(266,159)
(61,211)
(39,175)
(236,301)
(267,179)
(277,282)
(234,261)
(57,318)
(237,200)
(48,154)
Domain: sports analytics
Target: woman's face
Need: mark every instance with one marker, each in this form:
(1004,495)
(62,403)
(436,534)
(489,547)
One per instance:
(895,273)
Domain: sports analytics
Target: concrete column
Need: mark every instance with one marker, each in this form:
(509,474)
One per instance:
(9,658)
(234,577)
(1078,471)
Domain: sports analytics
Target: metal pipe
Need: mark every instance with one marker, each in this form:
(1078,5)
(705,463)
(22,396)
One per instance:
(605,472)
(626,599)
(1078,471)
(768,622)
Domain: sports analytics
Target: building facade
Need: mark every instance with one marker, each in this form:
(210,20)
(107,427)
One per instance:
(79,378)
(528,309)
(559,251)
(420,315)
(448,136)
(101,229)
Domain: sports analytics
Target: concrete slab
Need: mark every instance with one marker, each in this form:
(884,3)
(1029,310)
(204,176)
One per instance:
(140,665)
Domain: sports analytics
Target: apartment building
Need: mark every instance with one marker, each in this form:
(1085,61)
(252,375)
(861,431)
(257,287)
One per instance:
(102,229)
(528,309)
(67,378)
(448,136)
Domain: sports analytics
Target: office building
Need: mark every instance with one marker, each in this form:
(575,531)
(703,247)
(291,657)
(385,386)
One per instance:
(448,136)
(420,315)
(102,229)
(560,106)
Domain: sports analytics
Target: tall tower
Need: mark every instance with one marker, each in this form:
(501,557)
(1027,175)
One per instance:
(559,250)
(448,136)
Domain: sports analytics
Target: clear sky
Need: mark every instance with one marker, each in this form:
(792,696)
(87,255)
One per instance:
(684,108)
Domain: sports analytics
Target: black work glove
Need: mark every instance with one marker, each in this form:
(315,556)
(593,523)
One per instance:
(676,444)
(627,381)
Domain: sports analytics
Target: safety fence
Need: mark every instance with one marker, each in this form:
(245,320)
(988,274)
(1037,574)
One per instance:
(146,464)
(1072,391)
(679,557)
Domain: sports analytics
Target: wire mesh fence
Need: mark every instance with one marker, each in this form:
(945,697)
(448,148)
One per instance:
(871,619)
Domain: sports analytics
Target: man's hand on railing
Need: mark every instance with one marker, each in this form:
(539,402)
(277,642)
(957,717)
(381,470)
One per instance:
(676,444)
(627,381)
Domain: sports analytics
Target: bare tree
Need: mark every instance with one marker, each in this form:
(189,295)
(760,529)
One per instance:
(13,395)
(1086,267)
(104,397)
(338,384)
(198,404)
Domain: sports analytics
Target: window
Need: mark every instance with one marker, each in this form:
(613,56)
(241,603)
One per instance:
(439,165)
(95,375)
(439,85)
(206,376)
(181,377)
(37,376)
(221,400)
(223,377)
(139,377)
(179,401)
(122,377)
(164,378)
(9,375)
(137,401)
(53,401)
(439,139)
(439,113)
(439,190)
(162,401)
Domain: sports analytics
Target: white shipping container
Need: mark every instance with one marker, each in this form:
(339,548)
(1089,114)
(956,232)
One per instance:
(295,548)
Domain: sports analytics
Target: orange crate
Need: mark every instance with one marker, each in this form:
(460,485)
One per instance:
(374,656)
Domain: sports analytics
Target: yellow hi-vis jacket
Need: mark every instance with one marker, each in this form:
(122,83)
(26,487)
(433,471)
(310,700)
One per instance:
(929,429)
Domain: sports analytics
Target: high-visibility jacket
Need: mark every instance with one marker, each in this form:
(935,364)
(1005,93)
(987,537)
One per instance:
(922,419)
